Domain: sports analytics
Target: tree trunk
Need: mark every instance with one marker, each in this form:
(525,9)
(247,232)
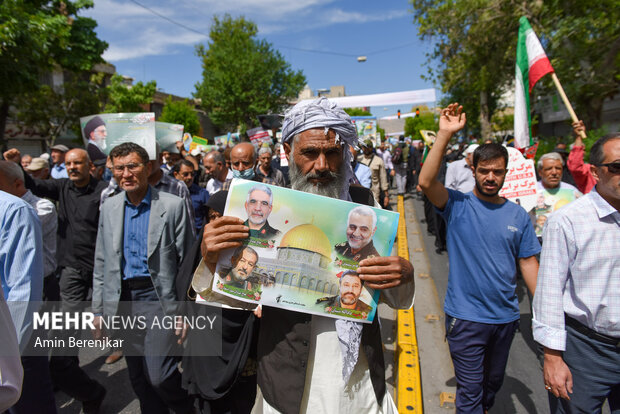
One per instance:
(4,114)
(485,116)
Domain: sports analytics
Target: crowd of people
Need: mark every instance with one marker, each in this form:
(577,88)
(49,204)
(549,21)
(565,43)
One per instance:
(133,229)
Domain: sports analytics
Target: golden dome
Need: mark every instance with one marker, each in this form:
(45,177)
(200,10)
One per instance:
(307,237)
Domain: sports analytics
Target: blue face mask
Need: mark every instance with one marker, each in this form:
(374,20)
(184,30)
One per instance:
(245,174)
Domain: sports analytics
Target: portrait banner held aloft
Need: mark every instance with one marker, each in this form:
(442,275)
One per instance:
(366,129)
(520,183)
(550,200)
(103,132)
(303,251)
(167,136)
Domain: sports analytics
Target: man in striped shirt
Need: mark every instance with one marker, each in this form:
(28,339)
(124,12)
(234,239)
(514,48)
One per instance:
(577,301)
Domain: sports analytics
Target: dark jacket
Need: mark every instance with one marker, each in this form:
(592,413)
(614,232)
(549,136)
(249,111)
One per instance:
(283,349)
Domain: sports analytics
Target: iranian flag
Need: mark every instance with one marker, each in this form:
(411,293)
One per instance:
(532,64)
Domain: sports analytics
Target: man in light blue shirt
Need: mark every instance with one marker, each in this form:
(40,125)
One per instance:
(21,274)
(59,170)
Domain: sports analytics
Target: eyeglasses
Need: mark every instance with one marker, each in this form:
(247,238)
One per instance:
(613,167)
(133,168)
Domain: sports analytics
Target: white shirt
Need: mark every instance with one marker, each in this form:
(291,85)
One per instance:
(460,177)
(325,391)
(49,225)
(579,271)
(563,186)
(214,185)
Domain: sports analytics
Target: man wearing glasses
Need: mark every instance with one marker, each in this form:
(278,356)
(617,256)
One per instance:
(577,301)
(143,237)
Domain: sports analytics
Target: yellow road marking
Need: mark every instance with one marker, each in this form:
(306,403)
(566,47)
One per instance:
(409,397)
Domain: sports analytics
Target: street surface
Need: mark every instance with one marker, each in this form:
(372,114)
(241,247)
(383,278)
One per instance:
(523,390)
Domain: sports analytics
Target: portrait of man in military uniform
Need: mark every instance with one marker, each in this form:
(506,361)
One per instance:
(243,262)
(349,295)
(361,227)
(258,206)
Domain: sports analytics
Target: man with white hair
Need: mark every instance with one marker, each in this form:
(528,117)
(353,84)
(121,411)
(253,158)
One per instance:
(550,167)
(459,175)
(258,206)
(265,169)
(305,362)
(361,226)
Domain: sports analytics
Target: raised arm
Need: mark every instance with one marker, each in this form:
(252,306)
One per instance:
(452,119)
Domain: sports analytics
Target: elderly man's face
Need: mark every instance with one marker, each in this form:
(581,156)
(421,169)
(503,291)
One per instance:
(265,159)
(58,157)
(42,174)
(359,231)
(317,163)
(26,160)
(244,265)
(258,207)
(242,157)
(212,168)
(99,135)
(551,173)
(350,290)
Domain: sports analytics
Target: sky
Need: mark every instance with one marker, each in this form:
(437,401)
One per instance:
(146,46)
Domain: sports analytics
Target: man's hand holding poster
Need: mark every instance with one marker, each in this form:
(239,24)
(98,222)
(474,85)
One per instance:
(303,251)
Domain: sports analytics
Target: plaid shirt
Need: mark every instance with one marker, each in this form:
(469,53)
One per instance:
(579,272)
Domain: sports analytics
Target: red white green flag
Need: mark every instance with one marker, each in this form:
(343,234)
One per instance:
(532,64)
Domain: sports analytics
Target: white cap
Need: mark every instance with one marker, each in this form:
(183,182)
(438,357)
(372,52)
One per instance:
(471,149)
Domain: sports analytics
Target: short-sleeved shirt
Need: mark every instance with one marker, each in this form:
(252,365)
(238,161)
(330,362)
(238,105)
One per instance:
(484,241)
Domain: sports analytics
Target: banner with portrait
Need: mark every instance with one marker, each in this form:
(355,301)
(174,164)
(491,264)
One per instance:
(549,201)
(366,128)
(103,132)
(303,251)
(167,136)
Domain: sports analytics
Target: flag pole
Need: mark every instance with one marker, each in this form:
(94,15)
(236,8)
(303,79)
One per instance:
(573,116)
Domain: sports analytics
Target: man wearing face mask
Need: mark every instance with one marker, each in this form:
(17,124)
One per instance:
(243,161)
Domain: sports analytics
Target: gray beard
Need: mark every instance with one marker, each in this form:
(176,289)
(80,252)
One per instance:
(302,182)
(236,276)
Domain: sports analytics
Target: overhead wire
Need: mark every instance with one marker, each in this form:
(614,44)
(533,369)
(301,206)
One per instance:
(326,52)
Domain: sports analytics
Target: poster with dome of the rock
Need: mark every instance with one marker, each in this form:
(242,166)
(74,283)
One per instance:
(303,251)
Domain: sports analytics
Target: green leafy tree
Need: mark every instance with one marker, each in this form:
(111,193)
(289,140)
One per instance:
(126,98)
(475,51)
(425,121)
(243,76)
(51,111)
(37,36)
(357,112)
(582,39)
(181,112)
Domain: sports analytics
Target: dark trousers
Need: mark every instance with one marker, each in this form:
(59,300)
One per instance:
(239,400)
(151,360)
(67,375)
(595,367)
(479,353)
(37,393)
